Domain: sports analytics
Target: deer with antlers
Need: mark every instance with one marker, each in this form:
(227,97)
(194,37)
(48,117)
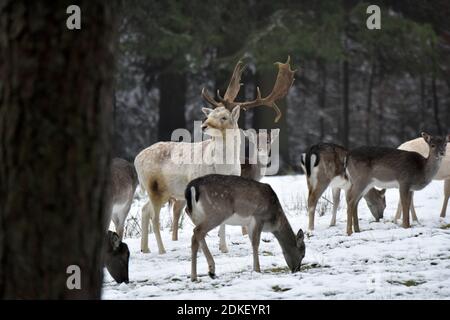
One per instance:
(164,179)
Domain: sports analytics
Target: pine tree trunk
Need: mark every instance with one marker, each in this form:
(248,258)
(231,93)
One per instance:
(55,118)
(368,128)
(322,95)
(436,105)
(172,86)
(345,104)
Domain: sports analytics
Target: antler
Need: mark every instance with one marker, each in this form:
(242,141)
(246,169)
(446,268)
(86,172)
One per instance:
(231,92)
(284,81)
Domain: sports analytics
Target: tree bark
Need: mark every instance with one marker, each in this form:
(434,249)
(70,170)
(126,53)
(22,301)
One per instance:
(172,86)
(55,128)
(322,95)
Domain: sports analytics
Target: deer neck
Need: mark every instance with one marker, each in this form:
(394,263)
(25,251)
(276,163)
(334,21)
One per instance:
(432,164)
(286,238)
(226,152)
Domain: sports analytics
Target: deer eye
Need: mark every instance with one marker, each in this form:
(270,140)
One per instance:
(433,146)
(223,118)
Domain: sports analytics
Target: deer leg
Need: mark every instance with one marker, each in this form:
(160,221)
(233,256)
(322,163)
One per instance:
(194,250)
(353,196)
(405,198)
(398,214)
(209,258)
(446,197)
(313,198)
(156,227)
(413,210)
(255,237)
(244,230)
(336,200)
(177,211)
(145,219)
(222,239)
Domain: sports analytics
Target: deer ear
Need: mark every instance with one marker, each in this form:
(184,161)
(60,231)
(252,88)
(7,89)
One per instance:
(274,134)
(299,238)
(207,111)
(426,137)
(235,113)
(115,241)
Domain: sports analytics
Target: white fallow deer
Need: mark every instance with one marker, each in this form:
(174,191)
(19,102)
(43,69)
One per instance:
(420,146)
(381,167)
(165,179)
(215,199)
(323,164)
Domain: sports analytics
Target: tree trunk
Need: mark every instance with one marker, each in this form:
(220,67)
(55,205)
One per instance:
(55,128)
(321,96)
(172,86)
(369,104)
(264,117)
(345,104)
(436,105)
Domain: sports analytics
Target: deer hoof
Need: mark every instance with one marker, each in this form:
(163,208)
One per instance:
(145,250)
(162,251)
(212,275)
(223,250)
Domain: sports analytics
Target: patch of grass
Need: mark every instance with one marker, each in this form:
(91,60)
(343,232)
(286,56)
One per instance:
(267,253)
(408,283)
(280,289)
(175,279)
(329,293)
(445,226)
(279,270)
(306,267)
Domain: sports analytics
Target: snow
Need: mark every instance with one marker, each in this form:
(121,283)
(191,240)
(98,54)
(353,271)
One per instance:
(384,261)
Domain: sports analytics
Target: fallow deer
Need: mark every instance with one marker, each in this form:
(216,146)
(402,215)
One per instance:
(420,146)
(163,178)
(216,199)
(122,186)
(116,256)
(381,167)
(323,165)
(251,169)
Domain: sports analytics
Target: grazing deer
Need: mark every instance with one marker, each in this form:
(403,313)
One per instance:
(215,199)
(165,179)
(116,256)
(323,165)
(255,171)
(381,167)
(122,185)
(420,146)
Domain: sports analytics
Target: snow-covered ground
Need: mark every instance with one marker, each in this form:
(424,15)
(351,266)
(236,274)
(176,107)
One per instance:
(384,261)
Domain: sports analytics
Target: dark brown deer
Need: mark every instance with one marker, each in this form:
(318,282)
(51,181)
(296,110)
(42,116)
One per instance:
(116,256)
(215,199)
(323,165)
(381,167)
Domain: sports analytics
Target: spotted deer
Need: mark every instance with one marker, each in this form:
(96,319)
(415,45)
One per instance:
(420,146)
(165,179)
(216,199)
(323,165)
(382,167)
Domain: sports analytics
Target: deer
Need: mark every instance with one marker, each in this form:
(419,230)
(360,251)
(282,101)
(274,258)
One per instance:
(420,146)
(216,199)
(249,169)
(384,167)
(323,164)
(122,186)
(116,256)
(164,179)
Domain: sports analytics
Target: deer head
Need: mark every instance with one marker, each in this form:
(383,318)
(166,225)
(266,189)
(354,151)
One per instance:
(225,112)
(437,144)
